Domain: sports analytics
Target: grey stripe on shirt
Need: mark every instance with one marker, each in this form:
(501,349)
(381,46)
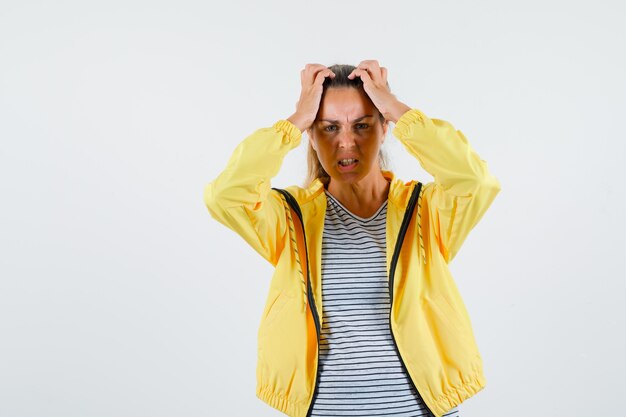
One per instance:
(360,373)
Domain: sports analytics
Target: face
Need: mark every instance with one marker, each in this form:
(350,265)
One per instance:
(347,135)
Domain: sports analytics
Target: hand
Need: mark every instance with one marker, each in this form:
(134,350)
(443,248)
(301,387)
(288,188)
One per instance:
(375,84)
(312,78)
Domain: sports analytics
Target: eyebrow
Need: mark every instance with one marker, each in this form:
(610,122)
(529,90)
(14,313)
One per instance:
(355,120)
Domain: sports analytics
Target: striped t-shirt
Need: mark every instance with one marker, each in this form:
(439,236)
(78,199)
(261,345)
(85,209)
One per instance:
(360,373)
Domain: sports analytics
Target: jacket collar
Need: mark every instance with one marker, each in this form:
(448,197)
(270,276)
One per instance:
(399,192)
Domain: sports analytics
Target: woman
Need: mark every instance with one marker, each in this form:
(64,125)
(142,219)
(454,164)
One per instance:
(362,316)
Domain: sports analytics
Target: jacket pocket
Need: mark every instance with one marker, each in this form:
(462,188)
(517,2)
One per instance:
(275,307)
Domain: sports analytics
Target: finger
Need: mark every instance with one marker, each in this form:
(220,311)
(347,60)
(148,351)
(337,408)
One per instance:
(313,67)
(364,75)
(373,69)
(383,72)
(357,72)
(310,72)
(371,65)
(373,74)
(321,76)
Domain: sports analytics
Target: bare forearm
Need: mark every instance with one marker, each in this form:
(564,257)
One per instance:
(300,121)
(395,111)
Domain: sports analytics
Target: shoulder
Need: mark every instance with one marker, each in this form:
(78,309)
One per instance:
(304,196)
(400,191)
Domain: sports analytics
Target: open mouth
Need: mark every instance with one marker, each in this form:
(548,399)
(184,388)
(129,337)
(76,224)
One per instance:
(348,162)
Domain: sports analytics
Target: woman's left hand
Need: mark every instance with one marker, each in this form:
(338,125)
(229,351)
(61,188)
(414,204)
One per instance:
(375,84)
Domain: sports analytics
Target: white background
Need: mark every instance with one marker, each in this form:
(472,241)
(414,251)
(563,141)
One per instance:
(121,296)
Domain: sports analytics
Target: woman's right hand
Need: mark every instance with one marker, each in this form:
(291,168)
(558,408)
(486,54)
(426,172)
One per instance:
(312,78)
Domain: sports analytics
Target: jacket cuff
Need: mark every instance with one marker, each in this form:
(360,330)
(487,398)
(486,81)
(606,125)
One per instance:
(291,134)
(408,121)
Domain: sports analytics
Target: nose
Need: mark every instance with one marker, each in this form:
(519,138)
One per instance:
(346,139)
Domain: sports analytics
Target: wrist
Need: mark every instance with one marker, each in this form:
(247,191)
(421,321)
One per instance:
(300,122)
(395,111)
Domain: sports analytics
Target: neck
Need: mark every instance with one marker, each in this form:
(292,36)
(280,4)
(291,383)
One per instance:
(365,196)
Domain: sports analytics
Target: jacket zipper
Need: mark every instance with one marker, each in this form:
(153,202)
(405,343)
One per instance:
(394,260)
(296,208)
(392,270)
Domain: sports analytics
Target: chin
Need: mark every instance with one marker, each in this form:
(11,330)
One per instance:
(356,175)
(348,177)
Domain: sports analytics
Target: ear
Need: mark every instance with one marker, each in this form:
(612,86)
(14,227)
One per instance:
(309,134)
(385,127)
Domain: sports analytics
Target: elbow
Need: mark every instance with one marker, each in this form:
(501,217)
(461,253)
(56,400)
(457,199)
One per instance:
(490,183)
(487,186)
(212,200)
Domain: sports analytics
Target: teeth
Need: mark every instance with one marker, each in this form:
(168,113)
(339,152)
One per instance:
(345,162)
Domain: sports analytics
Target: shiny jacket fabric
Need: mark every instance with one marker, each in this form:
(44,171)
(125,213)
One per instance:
(429,321)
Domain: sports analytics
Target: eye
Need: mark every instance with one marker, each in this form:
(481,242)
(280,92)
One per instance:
(362,126)
(330,128)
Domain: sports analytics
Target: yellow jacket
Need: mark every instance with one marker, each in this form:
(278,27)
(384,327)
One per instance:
(426,225)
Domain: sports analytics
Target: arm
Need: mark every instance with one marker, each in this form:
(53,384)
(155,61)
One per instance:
(240,196)
(463,188)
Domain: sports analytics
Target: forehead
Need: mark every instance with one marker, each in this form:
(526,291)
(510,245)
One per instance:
(345,104)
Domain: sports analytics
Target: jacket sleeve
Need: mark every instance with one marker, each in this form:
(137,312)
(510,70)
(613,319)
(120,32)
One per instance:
(463,187)
(241,198)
